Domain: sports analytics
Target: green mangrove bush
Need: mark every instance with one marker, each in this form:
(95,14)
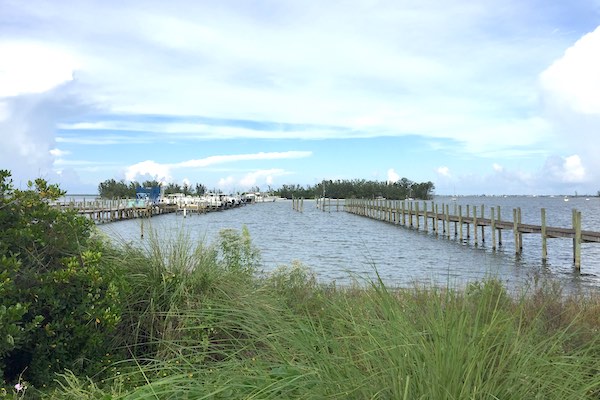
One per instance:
(59,300)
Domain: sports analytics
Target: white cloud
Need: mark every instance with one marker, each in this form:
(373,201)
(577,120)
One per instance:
(59,153)
(497,167)
(160,172)
(566,169)
(226,183)
(359,70)
(3,111)
(163,172)
(383,68)
(257,177)
(212,160)
(27,131)
(571,95)
(392,176)
(573,79)
(443,171)
(199,131)
(29,67)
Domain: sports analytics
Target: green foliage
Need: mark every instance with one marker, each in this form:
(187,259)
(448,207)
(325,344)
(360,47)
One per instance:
(238,253)
(370,342)
(356,188)
(171,282)
(59,302)
(113,189)
(14,329)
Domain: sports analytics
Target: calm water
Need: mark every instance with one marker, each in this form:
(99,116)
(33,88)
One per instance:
(339,246)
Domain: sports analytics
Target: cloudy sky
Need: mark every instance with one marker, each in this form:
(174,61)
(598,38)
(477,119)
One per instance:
(477,96)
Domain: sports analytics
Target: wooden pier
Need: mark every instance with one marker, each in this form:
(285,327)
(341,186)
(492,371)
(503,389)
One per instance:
(418,215)
(104,211)
(324,204)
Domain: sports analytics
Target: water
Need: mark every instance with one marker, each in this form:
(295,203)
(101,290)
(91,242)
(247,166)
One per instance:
(339,246)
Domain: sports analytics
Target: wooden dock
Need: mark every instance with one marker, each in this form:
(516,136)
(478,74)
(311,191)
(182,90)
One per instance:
(104,211)
(418,215)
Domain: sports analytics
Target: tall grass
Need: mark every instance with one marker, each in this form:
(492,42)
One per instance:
(202,325)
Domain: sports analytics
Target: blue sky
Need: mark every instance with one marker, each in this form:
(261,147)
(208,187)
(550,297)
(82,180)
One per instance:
(476,96)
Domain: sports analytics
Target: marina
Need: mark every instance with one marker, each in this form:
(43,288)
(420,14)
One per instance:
(113,210)
(341,247)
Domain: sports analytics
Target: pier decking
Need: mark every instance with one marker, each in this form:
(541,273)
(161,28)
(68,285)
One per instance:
(437,217)
(104,211)
(415,214)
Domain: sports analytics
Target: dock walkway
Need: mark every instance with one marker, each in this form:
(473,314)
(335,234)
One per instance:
(416,215)
(104,211)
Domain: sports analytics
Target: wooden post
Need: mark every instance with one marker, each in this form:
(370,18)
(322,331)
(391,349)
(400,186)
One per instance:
(448,220)
(403,214)
(520,234)
(436,225)
(475,224)
(425,216)
(574,223)
(499,230)
(417,213)
(468,228)
(455,227)
(577,239)
(443,219)
(482,225)
(410,213)
(544,238)
(460,223)
(493,223)
(433,215)
(516,230)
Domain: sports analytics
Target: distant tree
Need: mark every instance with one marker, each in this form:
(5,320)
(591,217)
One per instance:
(401,189)
(173,188)
(200,189)
(186,189)
(112,189)
(151,184)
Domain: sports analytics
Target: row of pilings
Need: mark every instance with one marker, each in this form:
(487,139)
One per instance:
(470,223)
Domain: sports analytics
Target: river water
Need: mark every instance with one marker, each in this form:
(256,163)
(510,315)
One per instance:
(340,247)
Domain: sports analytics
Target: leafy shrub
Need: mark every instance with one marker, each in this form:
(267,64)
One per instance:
(59,301)
(238,253)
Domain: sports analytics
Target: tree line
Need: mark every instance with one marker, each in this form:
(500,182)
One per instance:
(359,188)
(113,189)
(341,189)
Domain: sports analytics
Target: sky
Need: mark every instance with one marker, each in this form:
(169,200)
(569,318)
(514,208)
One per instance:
(476,96)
